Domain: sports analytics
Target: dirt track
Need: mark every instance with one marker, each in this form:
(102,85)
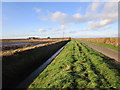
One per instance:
(114,54)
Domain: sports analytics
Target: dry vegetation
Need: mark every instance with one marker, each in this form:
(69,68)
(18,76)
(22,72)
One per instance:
(33,40)
(12,47)
(112,41)
(10,52)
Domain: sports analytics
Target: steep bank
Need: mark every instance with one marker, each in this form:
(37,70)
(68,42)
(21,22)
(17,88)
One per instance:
(18,66)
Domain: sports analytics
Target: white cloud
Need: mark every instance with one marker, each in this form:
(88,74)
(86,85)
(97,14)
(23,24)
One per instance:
(64,18)
(110,7)
(42,30)
(37,10)
(95,6)
(59,16)
(95,18)
(62,27)
(108,16)
(78,18)
(99,24)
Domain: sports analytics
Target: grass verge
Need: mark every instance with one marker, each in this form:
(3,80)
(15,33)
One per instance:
(106,45)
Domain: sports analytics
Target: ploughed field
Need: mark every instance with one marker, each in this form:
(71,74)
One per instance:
(12,44)
(15,45)
(79,66)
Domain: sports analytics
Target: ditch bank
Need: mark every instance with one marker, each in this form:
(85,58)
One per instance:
(20,65)
(39,70)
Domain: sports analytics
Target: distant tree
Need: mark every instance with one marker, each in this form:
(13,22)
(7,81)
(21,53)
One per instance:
(48,37)
(69,38)
(33,38)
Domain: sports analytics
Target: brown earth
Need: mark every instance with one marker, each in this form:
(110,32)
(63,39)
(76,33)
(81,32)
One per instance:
(51,41)
(13,47)
(33,40)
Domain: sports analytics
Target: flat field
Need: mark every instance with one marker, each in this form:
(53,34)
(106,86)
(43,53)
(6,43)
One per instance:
(106,45)
(9,50)
(33,40)
(112,41)
(79,66)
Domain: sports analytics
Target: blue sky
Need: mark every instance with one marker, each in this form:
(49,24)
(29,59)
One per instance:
(74,19)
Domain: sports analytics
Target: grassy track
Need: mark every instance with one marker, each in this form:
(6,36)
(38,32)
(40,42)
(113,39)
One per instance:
(79,66)
(106,45)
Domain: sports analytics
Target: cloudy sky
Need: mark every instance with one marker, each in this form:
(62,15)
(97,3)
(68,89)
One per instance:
(59,19)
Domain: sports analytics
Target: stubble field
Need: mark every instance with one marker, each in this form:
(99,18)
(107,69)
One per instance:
(113,41)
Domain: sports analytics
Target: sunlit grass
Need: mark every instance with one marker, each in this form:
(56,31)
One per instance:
(79,66)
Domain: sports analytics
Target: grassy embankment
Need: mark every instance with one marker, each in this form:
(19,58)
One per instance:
(106,45)
(112,40)
(18,65)
(79,66)
(112,43)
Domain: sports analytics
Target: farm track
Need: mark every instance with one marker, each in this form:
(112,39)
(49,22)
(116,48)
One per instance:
(114,54)
(79,67)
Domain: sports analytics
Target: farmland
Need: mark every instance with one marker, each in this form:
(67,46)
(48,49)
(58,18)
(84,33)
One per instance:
(106,45)
(12,44)
(112,41)
(33,40)
(10,50)
(79,66)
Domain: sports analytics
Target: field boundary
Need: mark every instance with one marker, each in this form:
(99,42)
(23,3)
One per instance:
(111,40)
(114,54)
(11,52)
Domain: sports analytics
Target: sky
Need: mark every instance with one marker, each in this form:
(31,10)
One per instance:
(59,19)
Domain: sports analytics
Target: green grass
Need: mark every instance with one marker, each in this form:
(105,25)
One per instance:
(79,66)
(106,45)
